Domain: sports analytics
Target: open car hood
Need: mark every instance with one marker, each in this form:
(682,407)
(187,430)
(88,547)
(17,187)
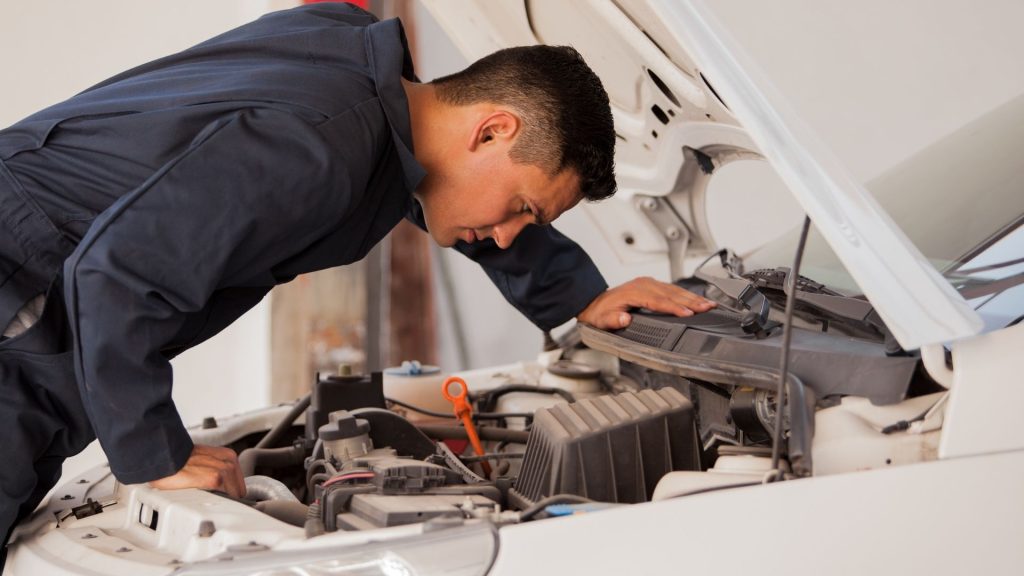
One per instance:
(669,70)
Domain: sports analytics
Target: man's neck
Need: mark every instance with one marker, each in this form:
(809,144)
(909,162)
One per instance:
(424,116)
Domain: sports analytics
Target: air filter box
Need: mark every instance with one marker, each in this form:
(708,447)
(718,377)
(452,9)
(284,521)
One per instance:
(610,448)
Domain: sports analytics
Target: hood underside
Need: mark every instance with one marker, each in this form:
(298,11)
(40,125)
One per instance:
(669,70)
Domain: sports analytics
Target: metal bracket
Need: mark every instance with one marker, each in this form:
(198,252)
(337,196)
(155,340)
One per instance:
(670,225)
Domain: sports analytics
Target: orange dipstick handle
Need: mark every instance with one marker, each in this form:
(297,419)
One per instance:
(464,412)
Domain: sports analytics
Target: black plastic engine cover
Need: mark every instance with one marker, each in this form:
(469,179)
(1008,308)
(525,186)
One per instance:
(609,448)
(827,363)
(334,393)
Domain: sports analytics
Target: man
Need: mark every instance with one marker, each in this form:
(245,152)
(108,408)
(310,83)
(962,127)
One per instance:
(147,213)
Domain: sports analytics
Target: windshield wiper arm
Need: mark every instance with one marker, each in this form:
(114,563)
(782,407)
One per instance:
(755,320)
(974,288)
(823,300)
(968,271)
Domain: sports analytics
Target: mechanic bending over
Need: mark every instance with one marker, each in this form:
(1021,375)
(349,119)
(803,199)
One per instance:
(147,213)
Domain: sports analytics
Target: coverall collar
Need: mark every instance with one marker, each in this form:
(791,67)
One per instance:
(389,63)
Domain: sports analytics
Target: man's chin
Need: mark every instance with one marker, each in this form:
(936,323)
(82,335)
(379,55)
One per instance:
(444,242)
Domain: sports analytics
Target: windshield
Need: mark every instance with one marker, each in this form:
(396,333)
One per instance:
(961,202)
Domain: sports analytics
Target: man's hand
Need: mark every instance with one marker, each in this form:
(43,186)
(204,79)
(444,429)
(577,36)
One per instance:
(209,468)
(609,311)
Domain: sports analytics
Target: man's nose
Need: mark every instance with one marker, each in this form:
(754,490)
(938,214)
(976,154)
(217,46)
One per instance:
(505,233)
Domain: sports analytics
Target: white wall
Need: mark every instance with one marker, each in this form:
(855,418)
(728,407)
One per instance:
(876,80)
(55,49)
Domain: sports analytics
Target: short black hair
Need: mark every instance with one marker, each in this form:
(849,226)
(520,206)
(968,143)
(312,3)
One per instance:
(566,117)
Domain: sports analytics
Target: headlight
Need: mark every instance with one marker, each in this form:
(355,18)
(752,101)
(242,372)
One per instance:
(458,551)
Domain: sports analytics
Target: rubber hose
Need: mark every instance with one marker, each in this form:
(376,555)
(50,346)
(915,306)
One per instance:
(250,458)
(540,505)
(265,488)
(293,513)
(286,422)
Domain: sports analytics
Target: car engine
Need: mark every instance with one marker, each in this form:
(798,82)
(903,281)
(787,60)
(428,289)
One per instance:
(663,408)
(357,465)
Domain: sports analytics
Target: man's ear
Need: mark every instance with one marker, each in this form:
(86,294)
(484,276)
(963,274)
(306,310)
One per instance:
(499,126)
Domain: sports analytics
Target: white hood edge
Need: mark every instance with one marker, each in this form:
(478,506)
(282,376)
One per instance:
(916,303)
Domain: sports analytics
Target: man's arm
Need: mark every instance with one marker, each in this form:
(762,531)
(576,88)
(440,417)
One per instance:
(551,280)
(543,274)
(248,193)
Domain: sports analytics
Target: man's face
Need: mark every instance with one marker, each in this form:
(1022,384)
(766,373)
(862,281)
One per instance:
(490,196)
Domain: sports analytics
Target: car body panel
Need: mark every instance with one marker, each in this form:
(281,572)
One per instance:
(950,517)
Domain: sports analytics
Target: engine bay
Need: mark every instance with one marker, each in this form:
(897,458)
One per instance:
(359,467)
(663,408)
(666,408)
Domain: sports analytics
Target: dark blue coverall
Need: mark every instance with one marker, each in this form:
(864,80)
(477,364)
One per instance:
(157,207)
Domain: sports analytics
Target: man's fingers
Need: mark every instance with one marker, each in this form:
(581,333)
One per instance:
(609,310)
(672,299)
(616,320)
(610,320)
(238,478)
(234,481)
(208,468)
(230,482)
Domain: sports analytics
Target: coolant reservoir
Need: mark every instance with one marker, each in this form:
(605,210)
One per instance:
(416,384)
(579,380)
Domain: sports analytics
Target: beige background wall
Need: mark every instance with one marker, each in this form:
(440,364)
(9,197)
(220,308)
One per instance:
(53,50)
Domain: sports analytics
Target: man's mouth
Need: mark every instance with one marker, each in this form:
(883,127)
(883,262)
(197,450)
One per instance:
(469,236)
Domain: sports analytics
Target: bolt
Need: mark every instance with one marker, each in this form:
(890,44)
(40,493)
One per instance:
(67,497)
(252,546)
(672,233)
(89,537)
(123,549)
(83,481)
(649,204)
(209,422)
(344,369)
(206,529)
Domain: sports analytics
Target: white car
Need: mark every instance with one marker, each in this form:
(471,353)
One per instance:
(659,448)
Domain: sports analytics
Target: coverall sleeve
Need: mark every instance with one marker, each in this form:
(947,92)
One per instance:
(251,190)
(544,274)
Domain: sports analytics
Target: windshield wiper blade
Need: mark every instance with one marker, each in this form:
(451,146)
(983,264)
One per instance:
(823,301)
(817,295)
(975,288)
(968,271)
(827,302)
